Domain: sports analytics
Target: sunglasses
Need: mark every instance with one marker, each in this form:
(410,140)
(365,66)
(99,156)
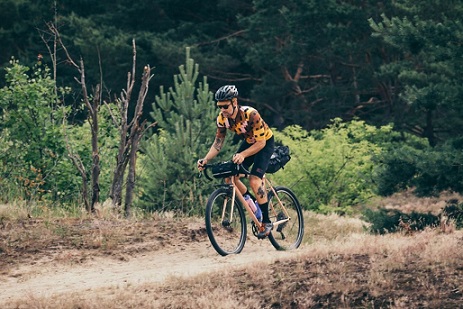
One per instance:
(224,106)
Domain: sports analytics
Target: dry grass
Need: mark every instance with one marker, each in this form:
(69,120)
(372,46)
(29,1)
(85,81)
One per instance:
(339,266)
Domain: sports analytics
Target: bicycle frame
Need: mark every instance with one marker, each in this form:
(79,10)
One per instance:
(237,193)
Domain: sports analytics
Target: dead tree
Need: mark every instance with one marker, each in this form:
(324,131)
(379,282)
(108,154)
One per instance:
(130,133)
(136,133)
(92,108)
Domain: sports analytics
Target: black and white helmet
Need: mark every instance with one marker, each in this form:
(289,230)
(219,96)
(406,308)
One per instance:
(226,92)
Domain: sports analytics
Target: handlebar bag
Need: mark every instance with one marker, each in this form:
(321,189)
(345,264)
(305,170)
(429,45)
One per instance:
(224,169)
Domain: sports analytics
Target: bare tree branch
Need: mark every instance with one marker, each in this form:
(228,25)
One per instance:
(226,37)
(55,31)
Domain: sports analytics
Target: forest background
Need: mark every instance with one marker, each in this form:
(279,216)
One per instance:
(367,94)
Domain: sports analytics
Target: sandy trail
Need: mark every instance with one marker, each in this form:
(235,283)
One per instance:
(190,259)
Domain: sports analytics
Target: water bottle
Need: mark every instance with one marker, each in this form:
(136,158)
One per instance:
(258,212)
(250,203)
(255,209)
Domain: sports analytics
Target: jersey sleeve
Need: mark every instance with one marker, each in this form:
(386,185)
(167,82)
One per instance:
(258,126)
(221,127)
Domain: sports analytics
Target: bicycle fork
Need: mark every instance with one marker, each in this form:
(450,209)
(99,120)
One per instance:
(280,220)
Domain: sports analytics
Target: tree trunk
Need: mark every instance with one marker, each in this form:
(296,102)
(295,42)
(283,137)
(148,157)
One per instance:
(117,184)
(131,178)
(429,129)
(137,131)
(95,149)
(80,167)
(121,160)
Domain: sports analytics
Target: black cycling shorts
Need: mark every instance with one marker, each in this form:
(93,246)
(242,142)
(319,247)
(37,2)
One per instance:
(260,160)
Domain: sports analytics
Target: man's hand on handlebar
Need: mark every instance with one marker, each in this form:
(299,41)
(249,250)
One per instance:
(238,158)
(201,163)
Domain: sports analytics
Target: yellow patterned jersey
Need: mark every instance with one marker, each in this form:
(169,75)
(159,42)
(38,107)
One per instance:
(248,124)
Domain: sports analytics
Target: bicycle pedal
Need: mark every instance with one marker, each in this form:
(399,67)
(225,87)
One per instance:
(264,230)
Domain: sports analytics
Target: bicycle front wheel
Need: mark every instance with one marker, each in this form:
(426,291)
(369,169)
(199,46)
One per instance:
(225,223)
(285,207)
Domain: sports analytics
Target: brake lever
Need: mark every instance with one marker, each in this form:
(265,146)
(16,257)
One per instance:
(200,174)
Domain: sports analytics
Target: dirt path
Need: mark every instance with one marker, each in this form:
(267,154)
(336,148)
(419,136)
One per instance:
(47,278)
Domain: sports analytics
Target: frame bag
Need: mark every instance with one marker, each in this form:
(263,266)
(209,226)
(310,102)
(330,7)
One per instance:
(278,159)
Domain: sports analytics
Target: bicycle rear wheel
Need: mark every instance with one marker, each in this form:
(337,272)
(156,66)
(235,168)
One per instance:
(225,223)
(287,235)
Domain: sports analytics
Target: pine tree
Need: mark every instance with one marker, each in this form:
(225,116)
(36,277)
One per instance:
(186,117)
(429,36)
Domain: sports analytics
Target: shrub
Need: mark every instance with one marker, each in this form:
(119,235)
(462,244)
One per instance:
(392,220)
(454,213)
(332,170)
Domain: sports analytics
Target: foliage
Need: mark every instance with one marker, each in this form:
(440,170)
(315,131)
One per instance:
(454,213)
(32,145)
(392,220)
(417,165)
(34,140)
(428,36)
(305,62)
(19,21)
(186,115)
(79,142)
(313,58)
(331,170)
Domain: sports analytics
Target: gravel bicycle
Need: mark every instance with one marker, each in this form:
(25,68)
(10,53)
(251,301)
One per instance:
(226,224)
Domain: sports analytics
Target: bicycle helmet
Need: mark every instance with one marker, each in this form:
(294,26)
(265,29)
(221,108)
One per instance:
(226,92)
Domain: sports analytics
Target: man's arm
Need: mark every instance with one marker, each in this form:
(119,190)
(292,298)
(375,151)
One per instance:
(215,148)
(255,148)
(238,158)
(213,151)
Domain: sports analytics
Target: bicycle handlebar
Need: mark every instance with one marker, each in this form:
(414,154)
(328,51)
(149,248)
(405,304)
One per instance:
(205,167)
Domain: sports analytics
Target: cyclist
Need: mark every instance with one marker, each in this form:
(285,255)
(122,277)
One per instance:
(256,148)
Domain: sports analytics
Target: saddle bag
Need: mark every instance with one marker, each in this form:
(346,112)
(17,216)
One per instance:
(278,159)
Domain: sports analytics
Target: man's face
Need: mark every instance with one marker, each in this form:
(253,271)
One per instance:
(226,107)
